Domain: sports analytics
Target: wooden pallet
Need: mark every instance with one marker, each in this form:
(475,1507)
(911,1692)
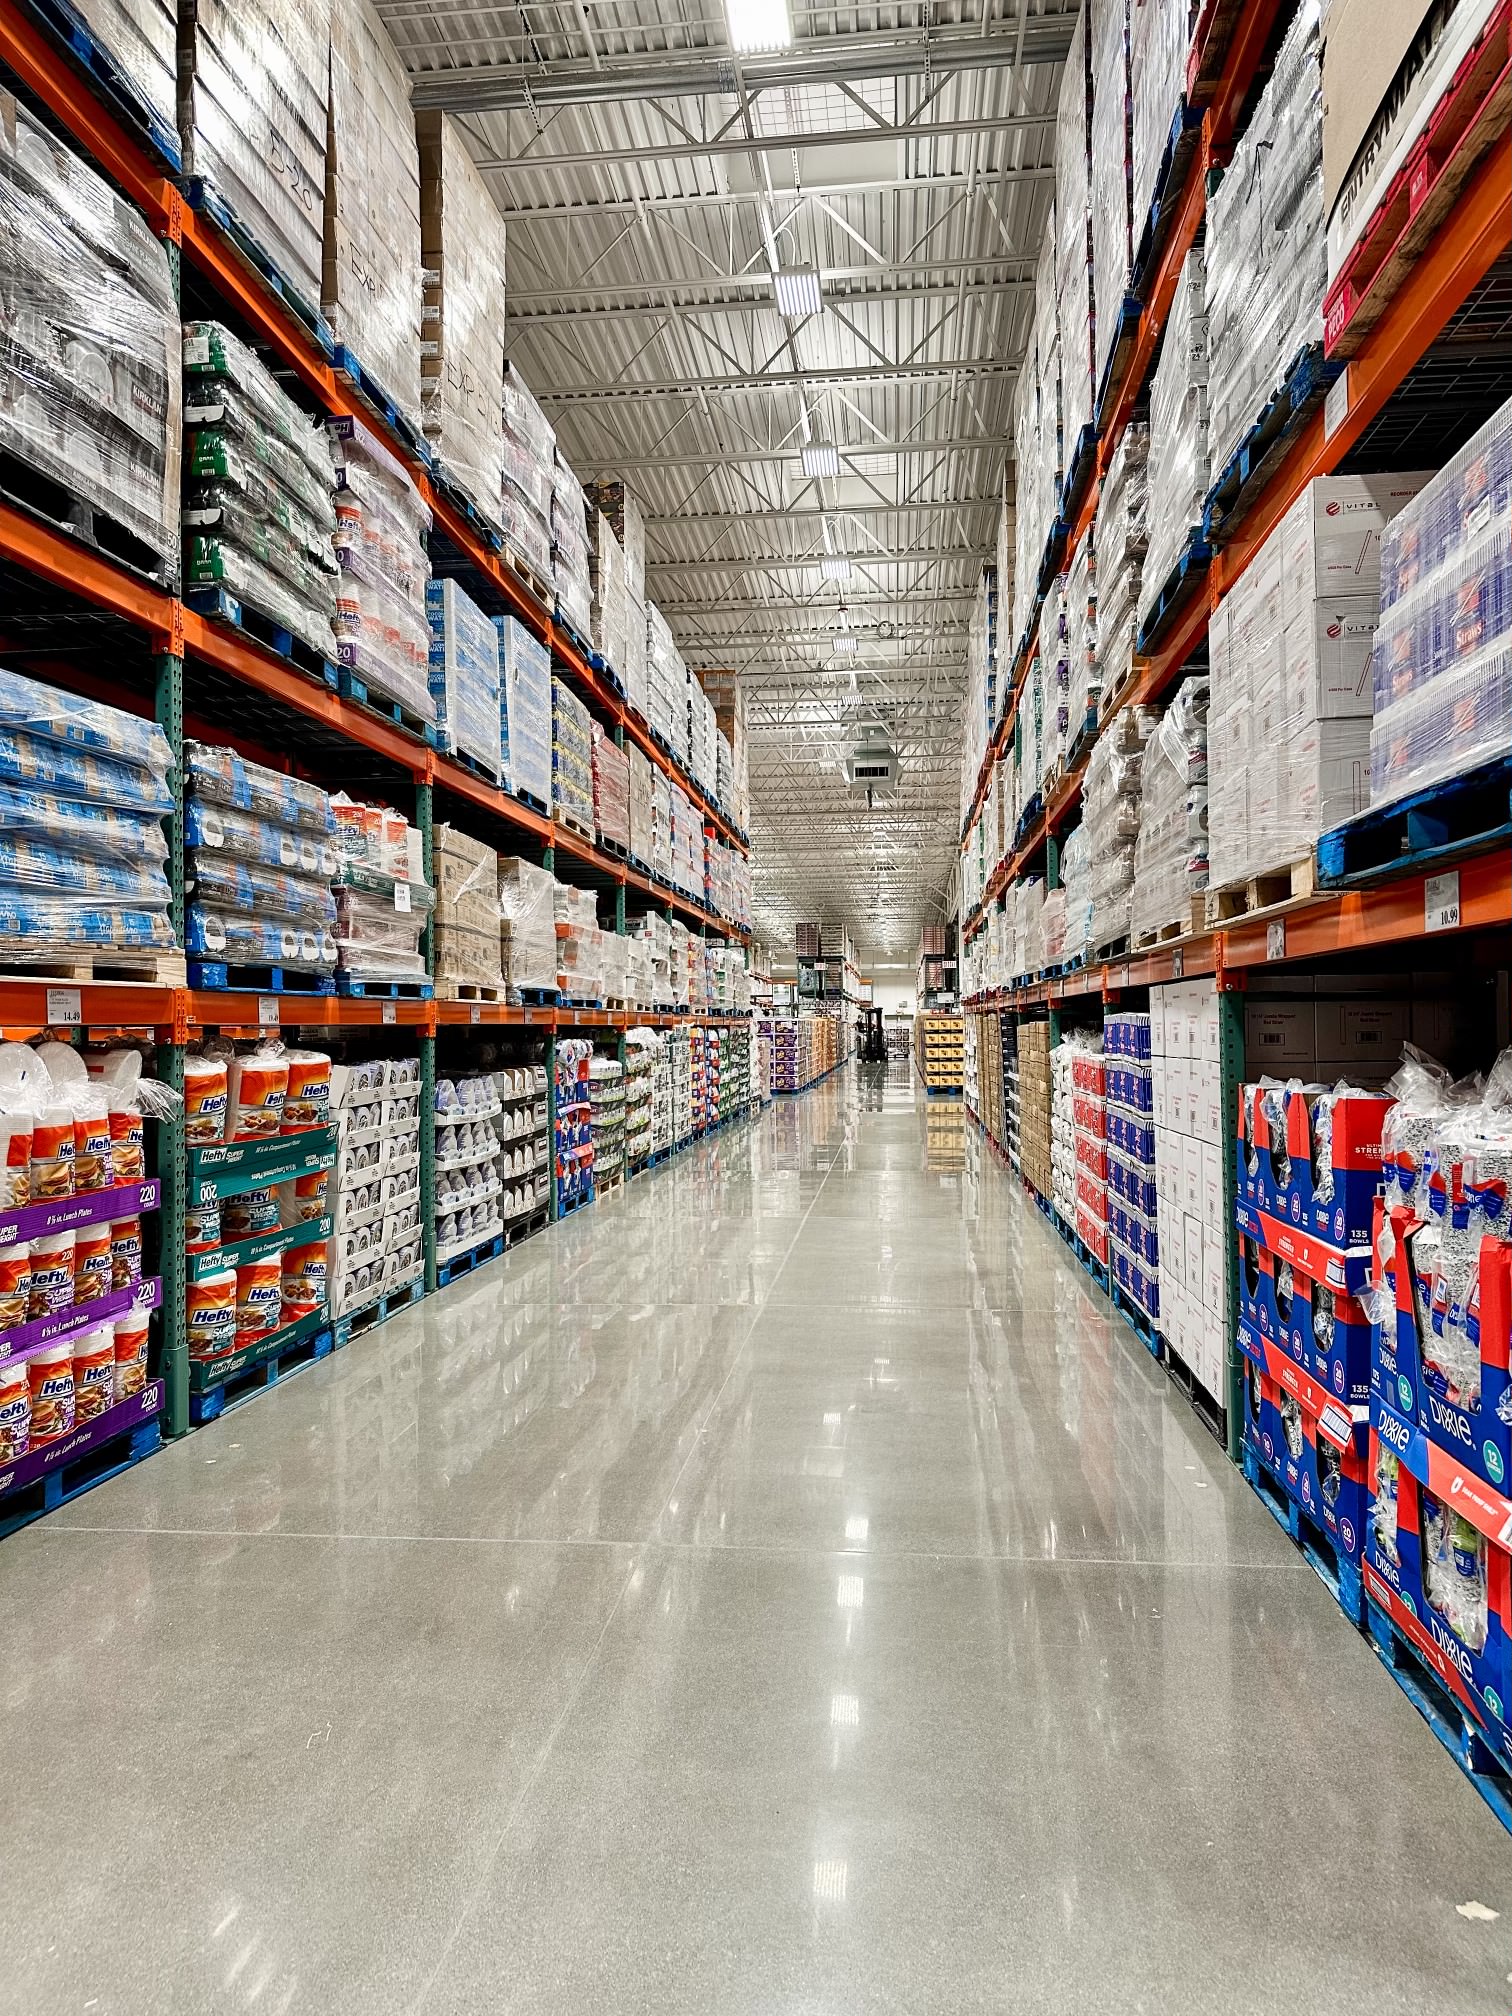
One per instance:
(1260,893)
(1113,697)
(535,584)
(137,969)
(1192,920)
(469,990)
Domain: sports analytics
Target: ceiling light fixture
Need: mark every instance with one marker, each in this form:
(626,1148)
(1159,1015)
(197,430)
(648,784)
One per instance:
(843,646)
(797,291)
(758,25)
(835,567)
(821,458)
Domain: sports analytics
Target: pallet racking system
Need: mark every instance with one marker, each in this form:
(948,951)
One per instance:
(68,610)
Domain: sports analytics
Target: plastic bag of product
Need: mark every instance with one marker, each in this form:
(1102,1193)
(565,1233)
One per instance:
(33,762)
(210,1318)
(79,828)
(240,940)
(54,716)
(227,778)
(257,1087)
(129,1337)
(222,882)
(206,1083)
(209,827)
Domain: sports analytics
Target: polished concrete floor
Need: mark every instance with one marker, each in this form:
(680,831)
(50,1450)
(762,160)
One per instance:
(783,1590)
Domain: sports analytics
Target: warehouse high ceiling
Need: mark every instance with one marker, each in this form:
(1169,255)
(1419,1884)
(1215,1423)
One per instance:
(654,179)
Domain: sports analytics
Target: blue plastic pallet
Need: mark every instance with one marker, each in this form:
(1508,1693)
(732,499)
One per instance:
(251,977)
(357,1322)
(529,798)
(113,83)
(1079,466)
(223,607)
(96,1465)
(1303,387)
(1138,1319)
(1181,144)
(450,490)
(1126,320)
(462,1264)
(1185,577)
(384,405)
(385,990)
(1447,1716)
(245,1385)
(1333,1568)
(565,1208)
(464,760)
(1422,832)
(200,196)
(357,690)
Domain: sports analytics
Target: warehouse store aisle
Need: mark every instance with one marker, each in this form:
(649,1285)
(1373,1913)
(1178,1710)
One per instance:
(783,1590)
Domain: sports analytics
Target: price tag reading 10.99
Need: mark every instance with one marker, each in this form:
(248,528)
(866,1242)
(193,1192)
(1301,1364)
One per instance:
(1441,902)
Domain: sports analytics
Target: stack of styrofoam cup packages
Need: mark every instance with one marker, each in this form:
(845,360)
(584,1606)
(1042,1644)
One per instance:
(71,1127)
(83,792)
(468,1188)
(606,1095)
(382,897)
(258,516)
(382,524)
(642,1047)
(464,677)
(680,1057)
(250,1096)
(260,853)
(524,1152)
(378,1236)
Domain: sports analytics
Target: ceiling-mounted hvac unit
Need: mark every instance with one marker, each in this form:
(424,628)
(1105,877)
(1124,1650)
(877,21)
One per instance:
(873,767)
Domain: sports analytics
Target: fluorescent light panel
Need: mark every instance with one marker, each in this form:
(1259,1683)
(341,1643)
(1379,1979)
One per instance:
(797,290)
(835,567)
(821,458)
(758,25)
(843,647)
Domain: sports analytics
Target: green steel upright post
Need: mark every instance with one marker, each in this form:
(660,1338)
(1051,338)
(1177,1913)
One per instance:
(172,1154)
(1231,1076)
(425,819)
(1052,863)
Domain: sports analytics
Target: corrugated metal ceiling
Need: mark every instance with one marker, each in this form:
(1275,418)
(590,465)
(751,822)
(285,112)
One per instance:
(640,309)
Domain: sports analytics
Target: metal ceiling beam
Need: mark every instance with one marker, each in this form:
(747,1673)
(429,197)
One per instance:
(587,207)
(759,281)
(766,381)
(830,511)
(815,59)
(695,458)
(787,143)
(622,309)
(676,611)
(788,563)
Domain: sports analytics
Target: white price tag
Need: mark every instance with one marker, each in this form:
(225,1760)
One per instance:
(402,897)
(64,1007)
(267,1009)
(1336,405)
(1275,940)
(388,1011)
(475,1014)
(1441,902)
(1178,963)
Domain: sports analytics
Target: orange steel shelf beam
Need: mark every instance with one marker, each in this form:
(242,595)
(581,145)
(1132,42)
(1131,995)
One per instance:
(104,1004)
(209,1008)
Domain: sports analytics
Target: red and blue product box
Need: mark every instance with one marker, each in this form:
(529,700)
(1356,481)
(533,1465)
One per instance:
(1473,1425)
(1311,1443)
(1415,1488)
(1319,1167)
(1325,1332)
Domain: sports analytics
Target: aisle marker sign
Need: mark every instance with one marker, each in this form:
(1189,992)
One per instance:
(1441,902)
(64,1008)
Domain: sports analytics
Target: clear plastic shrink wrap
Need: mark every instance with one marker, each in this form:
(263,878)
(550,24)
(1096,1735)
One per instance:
(90,368)
(142,36)
(1084,689)
(465,937)
(571,758)
(1178,469)
(1170,855)
(528,468)
(371,280)
(525,665)
(527,928)
(1121,536)
(1073,230)
(260,855)
(382,900)
(82,790)
(464,676)
(1266,248)
(258,515)
(611,789)
(1111,794)
(462,370)
(382,523)
(569,549)
(1112,146)
(254,81)
(1441,666)
(1160,35)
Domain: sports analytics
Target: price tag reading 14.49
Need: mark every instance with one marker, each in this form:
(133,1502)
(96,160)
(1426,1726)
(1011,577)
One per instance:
(1441,902)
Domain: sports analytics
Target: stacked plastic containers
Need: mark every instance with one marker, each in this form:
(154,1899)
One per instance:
(378,1237)
(1442,659)
(525,667)
(260,854)
(641,1049)
(571,759)
(606,1095)
(382,523)
(83,789)
(468,1188)
(1133,1242)
(258,514)
(572,1147)
(382,897)
(464,678)
(524,1152)
(90,379)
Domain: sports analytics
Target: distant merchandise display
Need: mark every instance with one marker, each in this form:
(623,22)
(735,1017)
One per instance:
(464,677)
(1034,1092)
(1063,1140)
(258,511)
(572,1146)
(1073,248)
(607,1104)
(1192,1228)
(526,683)
(939,1048)
(1441,661)
(579,964)
(1266,247)
(383,901)
(462,359)
(1160,38)
(468,1188)
(84,789)
(1130,1161)
(466,942)
(260,855)
(571,759)
(382,624)
(804,1049)
(90,388)
(1120,537)
(1112,148)
(377,1243)
(253,93)
(1089,1130)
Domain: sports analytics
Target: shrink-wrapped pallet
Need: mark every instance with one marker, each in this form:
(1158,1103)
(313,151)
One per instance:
(462,372)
